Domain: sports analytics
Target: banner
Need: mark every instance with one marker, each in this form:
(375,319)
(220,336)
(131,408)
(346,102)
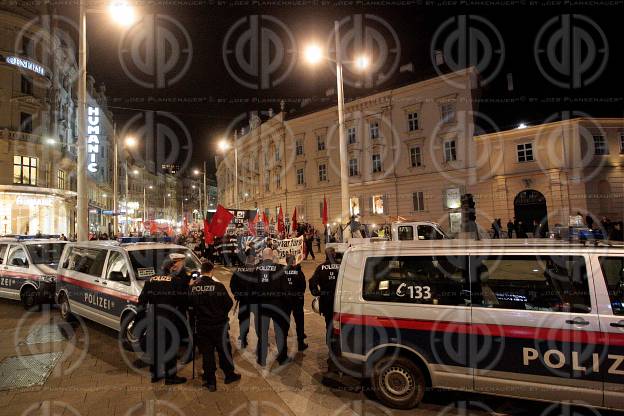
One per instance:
(259,244)
(240,216)
(288,246)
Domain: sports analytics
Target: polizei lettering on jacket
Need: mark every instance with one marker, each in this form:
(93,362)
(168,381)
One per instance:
(98,301)
(203,288)
(557,359)
(330,266)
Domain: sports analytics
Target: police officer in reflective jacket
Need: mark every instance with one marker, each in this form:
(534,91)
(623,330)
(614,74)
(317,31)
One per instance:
(296,284)
(323,284)
(161,297)
(241,285)
(269,290)
(210,303)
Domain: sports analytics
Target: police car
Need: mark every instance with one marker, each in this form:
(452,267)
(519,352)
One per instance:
(28,269)
(102,281)
(533,319)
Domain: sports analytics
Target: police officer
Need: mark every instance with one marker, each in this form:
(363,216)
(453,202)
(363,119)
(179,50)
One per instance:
(162,296)
(210,303)
(296,283)
(240,285)
(269,290)
(323,284)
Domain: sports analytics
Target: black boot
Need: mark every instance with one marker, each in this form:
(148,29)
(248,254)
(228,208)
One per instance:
(302,346)
(232,377)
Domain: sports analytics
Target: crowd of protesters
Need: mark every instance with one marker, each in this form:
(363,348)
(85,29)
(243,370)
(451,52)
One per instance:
(516,228)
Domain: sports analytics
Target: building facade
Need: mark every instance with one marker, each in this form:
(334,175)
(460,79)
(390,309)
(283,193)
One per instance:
(413,151)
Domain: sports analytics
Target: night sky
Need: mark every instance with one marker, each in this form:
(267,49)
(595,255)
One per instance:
(207,99)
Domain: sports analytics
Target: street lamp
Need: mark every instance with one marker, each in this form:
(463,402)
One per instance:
(314,54)
(224,146)
(128,143)
(205,198)
(123,13)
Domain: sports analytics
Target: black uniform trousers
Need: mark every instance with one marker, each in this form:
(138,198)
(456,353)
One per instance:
(163,342)
(244,315)
(263,315)
(215,339)
(297,312)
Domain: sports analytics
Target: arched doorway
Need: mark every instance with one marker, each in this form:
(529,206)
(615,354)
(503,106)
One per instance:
(530,205)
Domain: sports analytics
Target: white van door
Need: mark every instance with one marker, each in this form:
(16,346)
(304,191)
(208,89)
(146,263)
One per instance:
(117,286)
(609,282)
(9,286)
(534,327)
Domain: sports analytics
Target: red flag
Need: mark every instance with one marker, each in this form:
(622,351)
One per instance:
(220,221)
(252,224)
(153,228)
(265,220)
(324,210)
(294,222)
(280,221)
(185,229)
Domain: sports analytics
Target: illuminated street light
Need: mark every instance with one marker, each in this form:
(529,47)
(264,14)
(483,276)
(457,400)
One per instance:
(130,142)
(122,13)
(313,54)
(362,62)
(224,145)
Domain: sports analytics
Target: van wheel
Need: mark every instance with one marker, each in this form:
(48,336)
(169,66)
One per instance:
(29,299)
(65,309)
(398,382)
(129,339)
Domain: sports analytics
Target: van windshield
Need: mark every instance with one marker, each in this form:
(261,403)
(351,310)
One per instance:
(148,263)
(46,253)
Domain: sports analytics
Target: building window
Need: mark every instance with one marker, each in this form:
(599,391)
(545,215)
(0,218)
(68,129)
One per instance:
(267,182)
(353,167)
(320,143)
(378,204)
(322,172)
(278,157)
(25,170)
(61,179)
(415,157)
(450,151)
(299,147)
(621,142)
(28,47)
(600,146)
(278,181)
(300,177)
(376,163)
(26,125)
(447,112)
(354,205)
(418,199)
(27,85)
(321,206)
(525,152)
(351,135)
(412,121)
(373,128)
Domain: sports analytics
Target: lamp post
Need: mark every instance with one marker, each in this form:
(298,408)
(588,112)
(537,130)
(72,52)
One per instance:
(225,145)
(128,142)
(123,14)
(203,200)
(314,54)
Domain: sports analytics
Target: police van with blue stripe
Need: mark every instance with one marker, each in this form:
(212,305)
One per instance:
(28,269)
(533,319)
(101,281)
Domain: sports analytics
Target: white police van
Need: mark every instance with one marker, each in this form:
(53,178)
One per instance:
(534,319)
(28,269)
(102,281)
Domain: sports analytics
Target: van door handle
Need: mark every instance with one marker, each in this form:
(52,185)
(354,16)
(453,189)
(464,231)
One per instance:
(96,281)
(577,321)
(104,283)
(619,324)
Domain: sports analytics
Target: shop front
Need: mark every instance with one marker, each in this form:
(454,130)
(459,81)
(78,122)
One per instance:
(28,211)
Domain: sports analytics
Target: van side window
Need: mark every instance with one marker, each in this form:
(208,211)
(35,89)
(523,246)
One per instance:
(435,280)
(117,270)
(3,250)
(17,257)
(530,282)
(405,232)
(427,232)
(86,260)
(613,272)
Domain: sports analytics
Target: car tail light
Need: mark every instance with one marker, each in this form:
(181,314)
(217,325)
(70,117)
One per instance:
(336,324)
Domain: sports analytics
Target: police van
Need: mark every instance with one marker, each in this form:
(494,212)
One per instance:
(532,319)
(28,269)
(102,280)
